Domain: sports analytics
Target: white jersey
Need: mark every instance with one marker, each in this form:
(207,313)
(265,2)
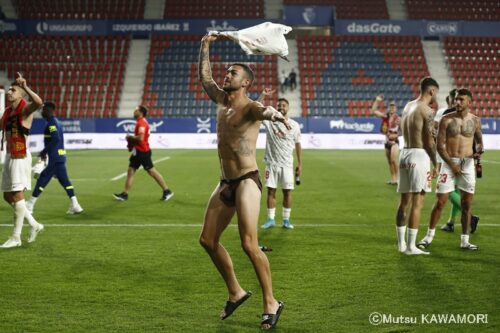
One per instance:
(280,142)
(439,114)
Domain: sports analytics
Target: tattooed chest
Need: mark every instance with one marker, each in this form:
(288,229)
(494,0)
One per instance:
(464,128)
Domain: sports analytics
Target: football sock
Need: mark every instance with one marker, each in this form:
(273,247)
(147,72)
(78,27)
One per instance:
(464,240)
(19,210)
(31,220)
(454,198)
(401,231)
(271,212)
(455,214)
(412,237)
(286,213)
(74,201)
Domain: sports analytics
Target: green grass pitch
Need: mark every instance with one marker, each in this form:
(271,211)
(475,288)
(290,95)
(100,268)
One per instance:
(136,266)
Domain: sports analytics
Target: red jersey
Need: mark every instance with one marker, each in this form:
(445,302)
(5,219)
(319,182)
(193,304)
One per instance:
(12,121)
(393,123)
(142,127)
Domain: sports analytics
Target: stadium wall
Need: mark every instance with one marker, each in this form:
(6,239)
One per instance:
(200,133)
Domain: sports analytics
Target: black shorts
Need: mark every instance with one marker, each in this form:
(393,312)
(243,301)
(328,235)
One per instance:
(141,158)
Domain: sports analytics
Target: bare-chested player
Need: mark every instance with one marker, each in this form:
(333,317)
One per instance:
(415,174)
(239,190)
(456,135)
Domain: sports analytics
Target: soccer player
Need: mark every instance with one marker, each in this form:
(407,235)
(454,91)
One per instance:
(391,135)
(453,197)
(16,176)
(54,150)
(414,164)
(138,144)
(279,162)
(239,190)
(456,135)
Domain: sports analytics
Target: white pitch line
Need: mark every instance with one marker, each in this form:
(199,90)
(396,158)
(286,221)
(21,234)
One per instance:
(120,176)
(174,225)
(488,161)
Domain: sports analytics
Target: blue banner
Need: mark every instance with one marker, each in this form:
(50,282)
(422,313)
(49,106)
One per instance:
(422,28)
(128,27)
(348,125)
(309,15)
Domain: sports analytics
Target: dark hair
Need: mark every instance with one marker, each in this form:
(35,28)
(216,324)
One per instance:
(453,93)
(248,71)
(49,106)
(144,110)
(426,83)
(464,92)
(448,99)
(284,100)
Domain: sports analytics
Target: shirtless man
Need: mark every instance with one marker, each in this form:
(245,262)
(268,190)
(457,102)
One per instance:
(456,135)
(415,174)
(239,190)
(16,176)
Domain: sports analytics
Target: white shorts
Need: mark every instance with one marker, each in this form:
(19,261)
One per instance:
(414,171)
(438,158)
(282,176)
(16,175)
(466,181)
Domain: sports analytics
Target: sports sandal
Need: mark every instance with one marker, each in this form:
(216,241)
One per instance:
(271,318)
(230,307)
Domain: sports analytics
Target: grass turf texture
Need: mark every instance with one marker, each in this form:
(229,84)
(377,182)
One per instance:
(339,264)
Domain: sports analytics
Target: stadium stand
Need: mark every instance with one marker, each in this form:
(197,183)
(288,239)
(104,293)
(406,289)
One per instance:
(206,9)
(171,86)
(83,75)
(475,63)
(341,75)
(80,10)
(471,10)
(348,9)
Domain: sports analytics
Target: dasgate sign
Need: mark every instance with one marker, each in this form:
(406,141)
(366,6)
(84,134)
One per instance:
(404,28)
(374,28)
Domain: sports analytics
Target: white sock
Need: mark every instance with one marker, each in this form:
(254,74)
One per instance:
(430,234)
(31,220)
(19,210)
(74,201)
(286,213)
(401,232)
(271,213)
(464,240)
(33,200)
(412,237)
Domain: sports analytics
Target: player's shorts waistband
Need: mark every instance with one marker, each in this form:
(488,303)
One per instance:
(414,149)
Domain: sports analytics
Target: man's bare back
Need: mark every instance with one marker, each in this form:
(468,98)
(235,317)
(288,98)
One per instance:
(415,116)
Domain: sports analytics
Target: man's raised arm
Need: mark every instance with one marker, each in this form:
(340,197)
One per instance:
(36,101)
(205,72)
(261,112)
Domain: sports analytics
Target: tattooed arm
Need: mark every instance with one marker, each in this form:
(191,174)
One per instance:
(441,143)
(478,138)
(205,72)
(427,138)
(261,112)
(266,92)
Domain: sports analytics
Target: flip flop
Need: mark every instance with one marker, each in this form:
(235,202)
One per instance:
(272,318)
(230,307)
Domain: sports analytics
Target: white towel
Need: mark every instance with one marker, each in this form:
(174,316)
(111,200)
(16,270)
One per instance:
(264,39)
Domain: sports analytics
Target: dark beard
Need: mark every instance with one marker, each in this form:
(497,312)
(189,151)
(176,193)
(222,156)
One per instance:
(229,89)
